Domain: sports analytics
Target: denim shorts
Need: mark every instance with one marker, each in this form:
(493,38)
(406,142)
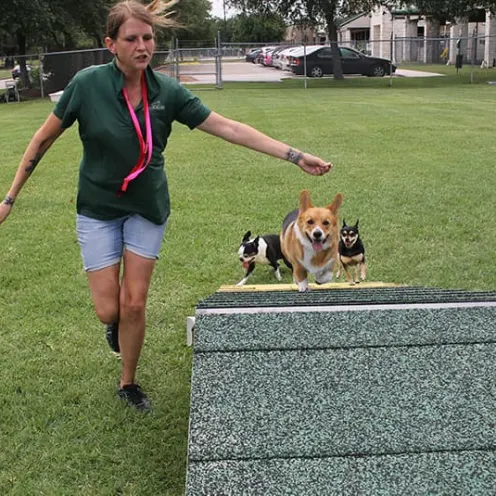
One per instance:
(102,242)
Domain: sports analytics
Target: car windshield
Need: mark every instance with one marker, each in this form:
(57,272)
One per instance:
(308,50)
(349,53)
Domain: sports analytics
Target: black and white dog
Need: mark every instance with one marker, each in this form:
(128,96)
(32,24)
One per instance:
(262,249)
(351,254)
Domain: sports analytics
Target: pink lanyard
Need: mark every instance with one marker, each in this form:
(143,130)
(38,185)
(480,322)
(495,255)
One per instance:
(145,148)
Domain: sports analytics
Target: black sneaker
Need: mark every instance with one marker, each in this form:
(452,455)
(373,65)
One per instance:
(135,397)
(112,335)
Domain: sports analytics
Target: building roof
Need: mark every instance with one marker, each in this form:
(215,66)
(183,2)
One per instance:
(351,19)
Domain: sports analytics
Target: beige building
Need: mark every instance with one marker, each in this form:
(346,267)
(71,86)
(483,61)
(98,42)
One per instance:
(300,34)
(419,39)
(409,36)
(355,32)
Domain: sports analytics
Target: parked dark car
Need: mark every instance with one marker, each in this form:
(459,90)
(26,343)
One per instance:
(252,56)
(319,63)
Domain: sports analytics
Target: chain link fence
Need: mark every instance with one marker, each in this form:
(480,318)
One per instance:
(217,62)
(444,50)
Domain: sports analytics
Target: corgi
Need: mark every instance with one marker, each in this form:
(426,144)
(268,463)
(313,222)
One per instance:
(309,240)
(262,249)
(351,253)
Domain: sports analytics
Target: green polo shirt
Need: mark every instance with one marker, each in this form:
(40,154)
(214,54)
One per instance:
(110,146)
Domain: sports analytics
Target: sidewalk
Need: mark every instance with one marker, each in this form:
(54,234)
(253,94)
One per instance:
(407,73)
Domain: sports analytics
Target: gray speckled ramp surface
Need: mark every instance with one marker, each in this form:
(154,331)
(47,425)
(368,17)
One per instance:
(422,474)
(342,296)
(367,328)
(357,401)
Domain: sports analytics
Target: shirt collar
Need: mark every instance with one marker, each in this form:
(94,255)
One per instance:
(152,83)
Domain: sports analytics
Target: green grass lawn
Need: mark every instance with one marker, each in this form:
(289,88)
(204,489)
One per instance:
(466,73)
(415,164)
(5,73)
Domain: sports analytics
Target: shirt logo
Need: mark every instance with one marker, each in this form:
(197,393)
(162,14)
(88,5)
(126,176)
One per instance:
(157,105)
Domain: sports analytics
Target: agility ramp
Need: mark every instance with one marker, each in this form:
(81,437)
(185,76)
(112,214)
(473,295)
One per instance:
(347,391)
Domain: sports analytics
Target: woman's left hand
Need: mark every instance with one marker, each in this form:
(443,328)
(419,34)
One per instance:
(314,165)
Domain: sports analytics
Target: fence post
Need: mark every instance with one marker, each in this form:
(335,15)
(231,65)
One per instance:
(305,63)
(474,55)
(171,67)
(176,59)
(218,61)
(40,58)
(391,60)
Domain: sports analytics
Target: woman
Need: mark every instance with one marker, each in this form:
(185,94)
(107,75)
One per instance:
(125,111)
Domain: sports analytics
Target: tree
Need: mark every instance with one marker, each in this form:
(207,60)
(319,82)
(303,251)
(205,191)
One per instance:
(194,15)
(448,9)
(225,27)
(313,13)
(53,23)
(88,17)
(246,28)
(25,21)
(62,24)
(258,28)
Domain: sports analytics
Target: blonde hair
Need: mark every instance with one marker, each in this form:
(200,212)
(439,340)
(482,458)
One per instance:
(156,13)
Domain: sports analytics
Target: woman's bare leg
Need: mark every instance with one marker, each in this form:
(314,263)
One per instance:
(132,311)
(105,289)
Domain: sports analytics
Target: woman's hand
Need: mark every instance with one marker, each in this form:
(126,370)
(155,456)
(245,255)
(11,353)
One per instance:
(5,209)
(314,165)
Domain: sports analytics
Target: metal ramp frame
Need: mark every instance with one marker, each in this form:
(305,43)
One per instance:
(10,87)
(377,389)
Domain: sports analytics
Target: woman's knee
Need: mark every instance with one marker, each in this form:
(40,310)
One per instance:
(107,312)
(105,289)
(132,307)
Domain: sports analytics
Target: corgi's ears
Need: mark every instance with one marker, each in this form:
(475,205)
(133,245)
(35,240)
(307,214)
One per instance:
(344,223)
(256,240)
(356,225)
(305,202)
(336,203)
(246,237)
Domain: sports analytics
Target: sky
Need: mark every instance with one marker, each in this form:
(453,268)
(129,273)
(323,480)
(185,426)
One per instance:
(218,9)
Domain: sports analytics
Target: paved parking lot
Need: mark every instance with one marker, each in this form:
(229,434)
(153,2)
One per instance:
(204,73)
